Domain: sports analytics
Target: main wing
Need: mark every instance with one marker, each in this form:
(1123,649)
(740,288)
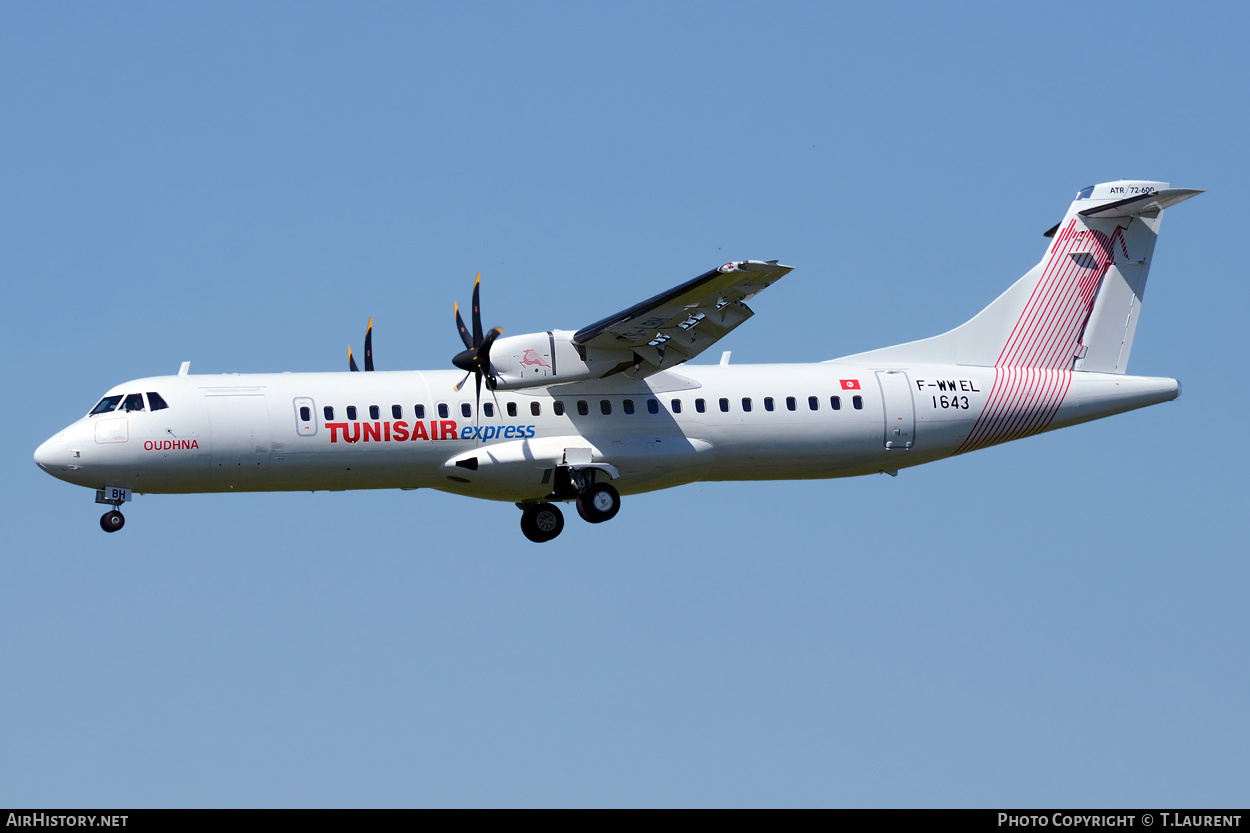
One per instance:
(681,323)
(646,338)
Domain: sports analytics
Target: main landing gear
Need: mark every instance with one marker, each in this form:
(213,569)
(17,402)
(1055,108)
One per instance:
(596,503)
(541,522)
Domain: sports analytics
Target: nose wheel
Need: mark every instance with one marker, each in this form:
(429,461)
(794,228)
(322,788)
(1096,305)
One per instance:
(112,521)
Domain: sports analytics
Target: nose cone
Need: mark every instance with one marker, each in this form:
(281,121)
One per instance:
(46,456)
(56,456)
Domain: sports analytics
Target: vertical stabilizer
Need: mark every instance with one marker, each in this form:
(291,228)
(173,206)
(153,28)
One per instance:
(1075,310)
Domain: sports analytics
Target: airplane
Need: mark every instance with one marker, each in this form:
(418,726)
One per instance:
(615,408)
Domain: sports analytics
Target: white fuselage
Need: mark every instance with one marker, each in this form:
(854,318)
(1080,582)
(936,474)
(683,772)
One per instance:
(294,431)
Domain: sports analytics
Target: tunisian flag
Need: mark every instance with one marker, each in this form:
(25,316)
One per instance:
(850,384)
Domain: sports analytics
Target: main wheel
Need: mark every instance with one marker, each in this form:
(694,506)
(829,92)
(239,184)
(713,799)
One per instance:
(542,522)
(112,521)
(599,503)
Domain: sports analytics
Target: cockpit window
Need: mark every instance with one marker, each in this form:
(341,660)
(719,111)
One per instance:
(108,403)
(155,402)
(134,402)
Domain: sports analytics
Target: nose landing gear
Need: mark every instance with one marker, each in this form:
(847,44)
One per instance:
(112,496)
(112,521)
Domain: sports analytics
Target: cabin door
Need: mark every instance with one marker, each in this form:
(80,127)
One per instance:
(900,411)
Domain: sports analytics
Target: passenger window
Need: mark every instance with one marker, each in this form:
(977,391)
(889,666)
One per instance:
(858,402)
(511,409)
(328,411)
(582,407)
(305,413)
(676,403)
(653,407)
(628,406)
(835,402)
(605,406)
(107,404)
(155,402)
(768,403)
(813,402)
(351,412)
(419,411)
(536,409)
(397,412)
(134,402)
(558,407)
(746,404)
(375,412)
(466,410)
(700,406)
(489,409)
(724,406)
(443,410)
(791,403)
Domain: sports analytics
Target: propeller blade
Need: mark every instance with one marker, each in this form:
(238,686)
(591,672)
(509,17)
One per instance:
(475,357)
(351,363)
(477,311)
(483,355)
(464,331)
(369,345)
(460,384)
(477,410)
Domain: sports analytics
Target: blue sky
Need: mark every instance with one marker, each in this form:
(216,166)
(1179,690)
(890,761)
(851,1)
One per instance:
(1058,621)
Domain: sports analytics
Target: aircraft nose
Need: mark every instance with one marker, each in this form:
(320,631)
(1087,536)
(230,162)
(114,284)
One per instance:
(60,456)
(47,456)
(56,454)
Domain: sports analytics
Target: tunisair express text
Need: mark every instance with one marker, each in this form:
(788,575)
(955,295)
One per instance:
(400,431)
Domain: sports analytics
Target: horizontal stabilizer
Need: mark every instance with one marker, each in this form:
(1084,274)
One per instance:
(1142,203)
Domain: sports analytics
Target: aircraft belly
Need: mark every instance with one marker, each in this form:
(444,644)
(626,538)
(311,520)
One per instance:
(522,470)
(650,463)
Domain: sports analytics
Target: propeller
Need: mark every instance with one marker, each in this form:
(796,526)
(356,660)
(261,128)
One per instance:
(475,358)
(351,362)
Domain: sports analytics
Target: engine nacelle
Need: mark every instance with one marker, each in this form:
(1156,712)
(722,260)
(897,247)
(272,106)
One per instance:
(551,358)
